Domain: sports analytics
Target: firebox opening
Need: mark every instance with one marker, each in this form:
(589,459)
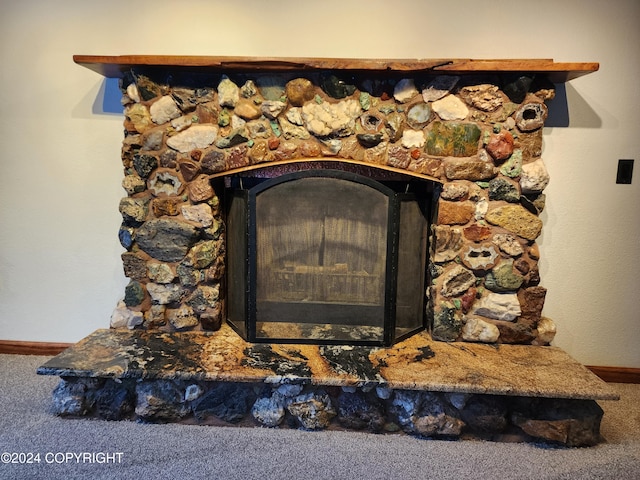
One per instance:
(326,256)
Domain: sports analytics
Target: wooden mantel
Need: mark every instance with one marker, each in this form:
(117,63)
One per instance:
(114,66)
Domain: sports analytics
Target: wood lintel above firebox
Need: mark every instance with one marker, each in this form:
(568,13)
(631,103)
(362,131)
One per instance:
(114,66)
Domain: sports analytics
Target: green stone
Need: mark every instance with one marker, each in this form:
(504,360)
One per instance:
(447,323)
(387,109)
(504,278)
(204,253)
(513,167)
(503,189)
(453,139)
(276,128)
(365,101)
(336,87)
(133,294)
(224,118)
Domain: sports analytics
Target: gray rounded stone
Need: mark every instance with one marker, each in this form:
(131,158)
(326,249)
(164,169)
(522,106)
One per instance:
(166,240)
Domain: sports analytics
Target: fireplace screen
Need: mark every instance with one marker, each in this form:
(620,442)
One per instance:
(325,256)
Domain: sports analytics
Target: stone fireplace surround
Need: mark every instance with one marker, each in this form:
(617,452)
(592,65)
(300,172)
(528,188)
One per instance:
(471,129)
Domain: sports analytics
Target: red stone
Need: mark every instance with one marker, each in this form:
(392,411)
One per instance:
(189,169)
(415,154)
(273,143)
(237,157)
(468,298)
(531,303)
(500,145)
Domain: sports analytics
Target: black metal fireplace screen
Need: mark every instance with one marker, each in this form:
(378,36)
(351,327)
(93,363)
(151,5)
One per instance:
(326,257)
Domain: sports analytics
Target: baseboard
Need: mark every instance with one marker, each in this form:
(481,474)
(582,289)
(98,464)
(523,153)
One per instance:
(32,348)
(617,374)
(608,374)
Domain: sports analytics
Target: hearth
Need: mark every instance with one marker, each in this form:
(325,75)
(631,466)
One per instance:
(326,256)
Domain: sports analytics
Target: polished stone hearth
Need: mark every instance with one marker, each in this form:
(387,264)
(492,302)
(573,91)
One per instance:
(425,388)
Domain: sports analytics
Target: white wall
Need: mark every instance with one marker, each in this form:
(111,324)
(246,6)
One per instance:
(60,268)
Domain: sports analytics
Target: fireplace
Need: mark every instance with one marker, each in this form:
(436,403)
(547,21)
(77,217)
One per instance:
(203,143)
(310,240)
(326,256)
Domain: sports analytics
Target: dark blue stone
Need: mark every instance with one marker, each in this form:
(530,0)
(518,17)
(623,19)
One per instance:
(126,235)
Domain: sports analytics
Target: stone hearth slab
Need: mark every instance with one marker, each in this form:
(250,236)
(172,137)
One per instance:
(418,363)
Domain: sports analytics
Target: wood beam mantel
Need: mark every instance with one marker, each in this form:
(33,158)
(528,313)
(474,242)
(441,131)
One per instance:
(114,66)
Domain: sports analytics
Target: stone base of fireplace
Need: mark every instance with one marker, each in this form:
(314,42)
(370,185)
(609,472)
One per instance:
(418,386)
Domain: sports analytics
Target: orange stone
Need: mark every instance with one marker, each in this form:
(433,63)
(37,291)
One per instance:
(454,213)
(477,233)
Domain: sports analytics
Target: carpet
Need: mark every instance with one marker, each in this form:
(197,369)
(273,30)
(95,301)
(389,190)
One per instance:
(83,448)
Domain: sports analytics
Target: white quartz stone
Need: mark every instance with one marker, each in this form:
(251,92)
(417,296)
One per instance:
(413,138)
(123,317)
(196,136)
(478,330)
(237,122)
(499,306)
(165,182)
(132,92)
(272,108)
(164,109)
(331,118)
(534,177)
(294,115)
(450,108)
